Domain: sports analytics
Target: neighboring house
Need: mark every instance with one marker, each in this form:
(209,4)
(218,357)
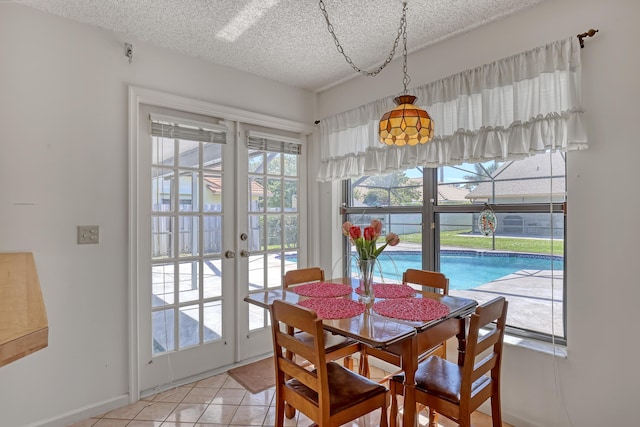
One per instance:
(524,181)
(450,194)
(536,179)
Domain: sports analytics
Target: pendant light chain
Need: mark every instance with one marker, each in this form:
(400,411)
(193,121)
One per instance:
(406,79)
(402,31)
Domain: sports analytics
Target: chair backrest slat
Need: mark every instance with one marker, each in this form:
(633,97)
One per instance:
(425,278)
(304,320)
(296,371)
(488,340)
(484,366)
(492,311)
(303,349)
(302,275)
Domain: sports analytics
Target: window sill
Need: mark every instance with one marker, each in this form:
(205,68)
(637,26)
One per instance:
(556,350)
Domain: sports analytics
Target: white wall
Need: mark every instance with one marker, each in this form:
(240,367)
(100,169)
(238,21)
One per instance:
(63,163)
(598,383)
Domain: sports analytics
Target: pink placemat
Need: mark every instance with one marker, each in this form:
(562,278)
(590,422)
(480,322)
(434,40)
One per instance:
(322,290)
(334,308)
(415,309)
(388,290)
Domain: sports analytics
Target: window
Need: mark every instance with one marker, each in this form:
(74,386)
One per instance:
(436,211)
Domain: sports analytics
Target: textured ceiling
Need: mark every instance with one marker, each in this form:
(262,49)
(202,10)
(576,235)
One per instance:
(285,40)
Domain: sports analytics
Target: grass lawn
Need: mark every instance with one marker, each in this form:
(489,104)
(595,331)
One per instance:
(460,239)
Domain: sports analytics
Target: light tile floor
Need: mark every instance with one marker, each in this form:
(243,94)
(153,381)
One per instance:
(221,401)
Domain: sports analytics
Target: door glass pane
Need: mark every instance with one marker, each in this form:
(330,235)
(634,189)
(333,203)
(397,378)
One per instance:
(290,261)
(274,162)
(189,154)
(290,191)
(163,151)
(258,318)
(190,192)
(290,231)
(275,270)
(212,321)
(188,281)
(290,164)
(274,194)
(189,322)
(256,272)
(212,193)
(274,231)
(162,330)
(161,237)
(162,284)
(256,161)
(212,278)
(188,241)
(162,189)
(212,154)
(212,234)
(256,233)
(256,194)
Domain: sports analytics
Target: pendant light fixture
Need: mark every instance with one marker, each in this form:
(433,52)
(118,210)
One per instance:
(406,124)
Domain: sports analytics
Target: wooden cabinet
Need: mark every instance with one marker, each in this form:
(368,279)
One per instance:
(23,318)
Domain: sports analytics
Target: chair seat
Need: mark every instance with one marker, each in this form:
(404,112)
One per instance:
(346,388)
(441,378)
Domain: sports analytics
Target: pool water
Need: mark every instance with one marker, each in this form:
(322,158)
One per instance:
(468,269)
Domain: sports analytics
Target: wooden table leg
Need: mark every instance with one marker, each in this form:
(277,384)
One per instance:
(462,341)
(409,364)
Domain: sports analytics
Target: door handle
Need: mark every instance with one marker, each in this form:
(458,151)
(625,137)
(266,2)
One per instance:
(229,254)
(245,253)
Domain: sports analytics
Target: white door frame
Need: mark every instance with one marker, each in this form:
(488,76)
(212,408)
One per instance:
(139,96)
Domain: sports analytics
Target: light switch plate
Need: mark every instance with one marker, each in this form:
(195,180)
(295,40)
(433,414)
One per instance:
(88,234)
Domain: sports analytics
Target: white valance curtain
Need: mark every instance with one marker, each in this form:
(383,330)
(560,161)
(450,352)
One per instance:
(510,109)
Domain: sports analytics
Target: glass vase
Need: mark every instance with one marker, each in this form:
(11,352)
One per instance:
(366,279)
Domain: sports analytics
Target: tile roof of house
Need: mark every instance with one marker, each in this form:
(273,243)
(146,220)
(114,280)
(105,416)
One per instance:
(450,192)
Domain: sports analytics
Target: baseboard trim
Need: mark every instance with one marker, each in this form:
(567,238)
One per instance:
(84,412)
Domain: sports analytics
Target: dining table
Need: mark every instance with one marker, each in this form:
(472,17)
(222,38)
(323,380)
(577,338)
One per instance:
(396,331)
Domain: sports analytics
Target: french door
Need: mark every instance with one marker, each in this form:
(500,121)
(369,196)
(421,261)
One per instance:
(186,217)
(272,215)
(216,216)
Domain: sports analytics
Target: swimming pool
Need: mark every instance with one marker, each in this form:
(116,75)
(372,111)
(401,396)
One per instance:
(468,269)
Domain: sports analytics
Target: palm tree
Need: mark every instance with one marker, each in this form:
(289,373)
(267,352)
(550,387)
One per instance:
(483,172)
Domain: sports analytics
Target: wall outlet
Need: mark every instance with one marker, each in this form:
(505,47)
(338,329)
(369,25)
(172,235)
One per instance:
(88,234)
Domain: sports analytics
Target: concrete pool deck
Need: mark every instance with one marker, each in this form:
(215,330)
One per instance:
(535,296)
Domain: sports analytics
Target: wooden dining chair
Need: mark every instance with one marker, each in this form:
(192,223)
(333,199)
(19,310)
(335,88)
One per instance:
(456,391)
(338,347)
(330,395)
(427,280)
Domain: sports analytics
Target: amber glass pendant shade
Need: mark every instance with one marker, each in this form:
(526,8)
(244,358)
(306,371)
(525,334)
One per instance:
(406,124)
